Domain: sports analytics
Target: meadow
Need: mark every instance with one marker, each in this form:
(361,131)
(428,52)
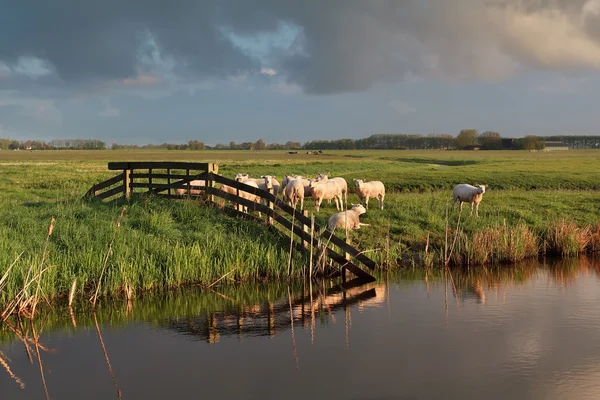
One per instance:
(537,203)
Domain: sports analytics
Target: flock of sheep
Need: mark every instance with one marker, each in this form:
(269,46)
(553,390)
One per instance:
(295,188)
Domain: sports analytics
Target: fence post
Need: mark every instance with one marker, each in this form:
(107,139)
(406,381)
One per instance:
(126,183)
(169,181)
(150,180)
(269,187)
(210,183)
(305,227)
(189,189)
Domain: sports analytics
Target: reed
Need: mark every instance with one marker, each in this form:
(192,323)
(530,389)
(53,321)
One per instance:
(564,238)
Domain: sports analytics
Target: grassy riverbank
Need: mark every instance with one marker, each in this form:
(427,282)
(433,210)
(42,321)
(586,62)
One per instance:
(536,203)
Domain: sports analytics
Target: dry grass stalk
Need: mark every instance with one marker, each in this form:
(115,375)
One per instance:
(72,292)
(119,395)
(291,244)
(39,358)
(293,334)
(108,253)
(5,276)
(44,255)
(312,236)
(221,278)
(4,362)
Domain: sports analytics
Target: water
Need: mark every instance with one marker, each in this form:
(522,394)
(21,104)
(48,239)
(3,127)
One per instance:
(528,332)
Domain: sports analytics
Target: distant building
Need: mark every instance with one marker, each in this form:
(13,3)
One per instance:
(555,146)
(509,144)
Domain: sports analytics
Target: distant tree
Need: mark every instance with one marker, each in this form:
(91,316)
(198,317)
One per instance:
(14,145)
(532,142)
(467,137)
(260,145)
(490,140)
(196,145)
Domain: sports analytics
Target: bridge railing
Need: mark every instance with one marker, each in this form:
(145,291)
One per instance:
(175,180)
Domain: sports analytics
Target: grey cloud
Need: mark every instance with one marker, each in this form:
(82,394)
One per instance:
(346,45)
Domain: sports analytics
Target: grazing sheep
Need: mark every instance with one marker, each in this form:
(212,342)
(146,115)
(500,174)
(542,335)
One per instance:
(242,194)
(347,219)
(326,191)
(468,194)
(372,189)
(340,181)
(294,192)
(196,182)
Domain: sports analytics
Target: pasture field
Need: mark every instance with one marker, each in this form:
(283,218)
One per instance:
(536,202)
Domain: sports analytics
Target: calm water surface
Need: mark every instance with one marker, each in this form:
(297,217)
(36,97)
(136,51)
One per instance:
(528,332)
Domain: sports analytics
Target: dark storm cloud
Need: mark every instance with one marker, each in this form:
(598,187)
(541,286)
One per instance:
(342,45)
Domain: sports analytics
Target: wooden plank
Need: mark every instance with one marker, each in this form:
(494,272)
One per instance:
(349,249)
(107,183)
(252,206)
(111,192)
(242,186)
(155,175)
(158,165)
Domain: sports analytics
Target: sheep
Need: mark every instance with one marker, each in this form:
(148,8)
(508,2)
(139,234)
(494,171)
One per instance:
(325,191)
(468,194)
(261,182)
(340,181)
(270,180)
(347,219)
(196,182)
(372,189)
(294,192)
(242,194)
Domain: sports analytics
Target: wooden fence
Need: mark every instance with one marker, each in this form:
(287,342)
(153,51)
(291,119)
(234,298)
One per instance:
(174,180)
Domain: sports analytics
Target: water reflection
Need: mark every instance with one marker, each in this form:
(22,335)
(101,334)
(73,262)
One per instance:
(529,331)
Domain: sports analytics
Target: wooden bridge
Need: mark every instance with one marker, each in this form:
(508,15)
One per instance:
(166,179)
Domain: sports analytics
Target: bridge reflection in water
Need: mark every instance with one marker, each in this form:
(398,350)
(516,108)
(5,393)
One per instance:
(271,317)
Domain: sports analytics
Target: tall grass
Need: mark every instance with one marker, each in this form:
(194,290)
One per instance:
(160,244)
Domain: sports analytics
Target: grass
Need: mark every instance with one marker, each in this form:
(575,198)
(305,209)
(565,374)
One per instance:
(535,200)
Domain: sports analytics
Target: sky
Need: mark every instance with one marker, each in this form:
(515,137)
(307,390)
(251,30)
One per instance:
(152,71)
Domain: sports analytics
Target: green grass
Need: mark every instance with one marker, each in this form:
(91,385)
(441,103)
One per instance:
(168,243)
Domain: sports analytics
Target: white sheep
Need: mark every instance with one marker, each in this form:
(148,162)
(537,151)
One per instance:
(270,180)
(196,182)
(261,182)
(465,193)
(340,181)
(326,191)
(294,192)
(368,190)
(242,194)
(347,219)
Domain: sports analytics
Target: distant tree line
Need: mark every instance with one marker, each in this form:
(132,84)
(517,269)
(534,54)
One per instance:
(57,144)
(466,139)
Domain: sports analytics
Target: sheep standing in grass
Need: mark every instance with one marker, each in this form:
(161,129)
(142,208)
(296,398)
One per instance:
(294,192)
(368,190)
(340,181)
(196,182)
(347,219)
(284,182)
(242,194)
(326,191)
(468,194)
(261,182)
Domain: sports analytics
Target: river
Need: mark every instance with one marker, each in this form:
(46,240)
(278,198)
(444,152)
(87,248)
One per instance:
(530,331)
